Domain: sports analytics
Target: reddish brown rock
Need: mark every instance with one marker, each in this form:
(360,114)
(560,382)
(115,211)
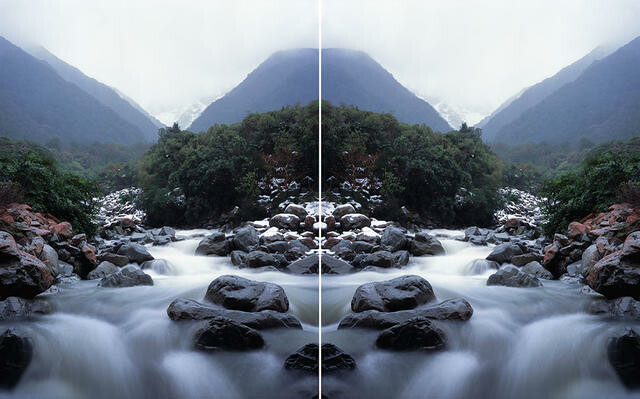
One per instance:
(63,230)
(576,231)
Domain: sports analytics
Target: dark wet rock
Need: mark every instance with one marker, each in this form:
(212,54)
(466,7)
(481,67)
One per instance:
(21,274)
(480,266)
(425,244)
(49,257)
(128,276)
(161,240)
(330,265)
(616,276)
(260,259)
(135,252)
(15,355)
(224,333)
(167,232)
(159,266)
(237,293)
(118,260)
(344,250)
(297,210)
(352,221)
(624,355)
(296,250)
(623,308)
(452,309)
(535,269)
(278,247)
(214,244)
(306,359)
(380,259)
(590,257)
(20,308)
(362,247)
(342,210)
(104,269)
(246,239)
(511,276)
(285,221)
(504,252)
(406,292)
(402,258)
(414,334)
(521,260)
(238,257)
(188,309)
(631,246)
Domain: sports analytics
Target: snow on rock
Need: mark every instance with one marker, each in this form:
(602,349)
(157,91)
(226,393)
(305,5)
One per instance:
(521,205)
(118,205)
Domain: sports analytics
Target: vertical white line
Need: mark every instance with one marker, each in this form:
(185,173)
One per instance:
(320,198)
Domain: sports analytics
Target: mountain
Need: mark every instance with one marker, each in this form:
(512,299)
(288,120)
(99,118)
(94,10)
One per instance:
(603,103)
(517,105)
(39,105)
(125,107)
(291,77)
(353,78)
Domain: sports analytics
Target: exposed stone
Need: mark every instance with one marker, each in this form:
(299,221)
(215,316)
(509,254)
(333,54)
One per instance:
(535,269)
(103,270)
(425,244)
(624,355)
(15,355)
(159,266)
(237,293)
(406,292)
(259,259)
(590,257)
(224,333)
(504,252)
(21,274)
(246,239)
(413,334)
(238,257)
(615,276)
(297,210)
(286,221)
(118,260)
(187,309)
(511,276)
(135,252)
(20,308)
(521,260)
(128,276)
(214,244)
(352,221)
(342,210)
(306,359)
(624,308)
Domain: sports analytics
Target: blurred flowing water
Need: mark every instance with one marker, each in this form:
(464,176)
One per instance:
(120,343)
(520,343)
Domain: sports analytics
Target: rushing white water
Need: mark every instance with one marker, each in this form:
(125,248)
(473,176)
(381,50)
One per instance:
(520,343)
(120,343)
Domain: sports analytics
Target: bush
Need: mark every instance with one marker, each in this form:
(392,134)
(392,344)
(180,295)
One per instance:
(599,183)
(34,178)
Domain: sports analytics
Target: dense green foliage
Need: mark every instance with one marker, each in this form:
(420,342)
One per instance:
(189,179)
(34,177)
(609,174)
(449,178)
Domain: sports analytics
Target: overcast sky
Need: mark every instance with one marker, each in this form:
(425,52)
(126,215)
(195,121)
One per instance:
(169,54)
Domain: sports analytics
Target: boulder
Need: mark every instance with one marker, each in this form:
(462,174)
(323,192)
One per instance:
(511,276)
(624,355)
(362,247)
(214,244)
(15,355)
(402,258)
(224,333)
(62,230)
(238,257)
(118,260)
(306,359)
(383,259)
(49,257)
(128,276)
(535,269)
(285,221)
(504,252)
(136,253)
(297,210)
(256,259)
(521,260)
(342,210)
(246,239)
(622,308)
(406,292)
(19,308)
(413,334)
(21,274)
(352,221)
(159,266)
(188,309)
(577,231)
(237,293)
(425,244)
(590,257)
(615,276)
(330,265)
(277,247)
(103,270)
(452,309)
(631,246)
